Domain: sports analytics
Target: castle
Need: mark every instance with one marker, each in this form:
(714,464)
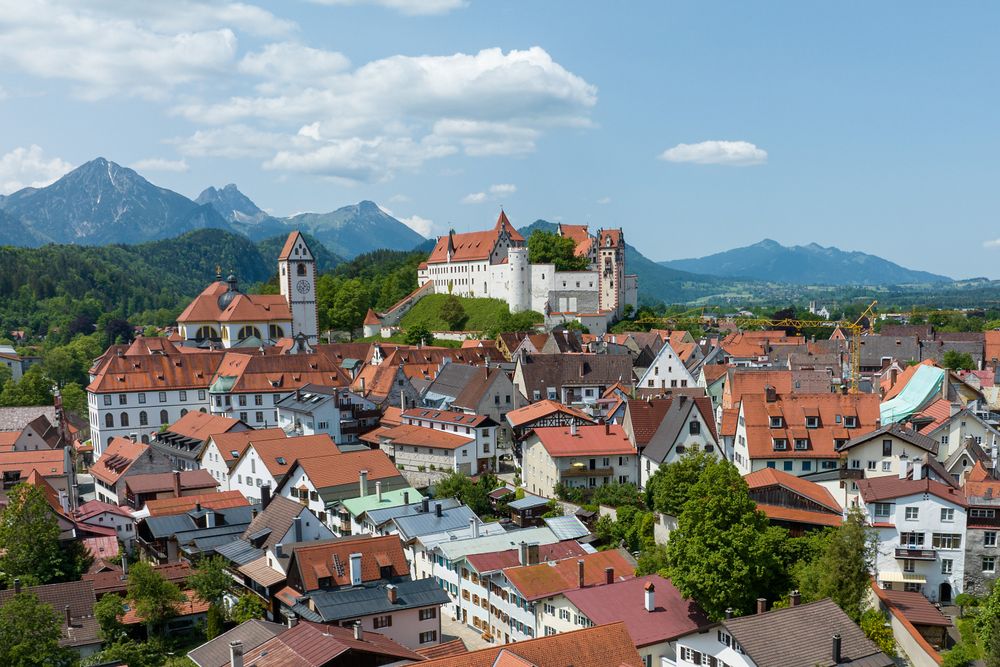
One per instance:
(494,264)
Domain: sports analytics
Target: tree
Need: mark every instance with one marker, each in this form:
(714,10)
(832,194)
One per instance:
(211,582)
(724,553)
(958,361)
(74,399)
(154,599)
(653,560)
(60,366)
(152,653)
(118,330)
(963,600)
(550,248)
(670,486)
(29,634)
(418,335)
(33,389)
(474,494)
(29,536)
(876,627)
(842,570)
(617,495)
(452,312)
(961,655)
(349,306)
(247,607)
(991,649)
(109,611)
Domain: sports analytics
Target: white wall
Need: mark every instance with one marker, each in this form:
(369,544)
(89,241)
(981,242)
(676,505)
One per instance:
(175,402)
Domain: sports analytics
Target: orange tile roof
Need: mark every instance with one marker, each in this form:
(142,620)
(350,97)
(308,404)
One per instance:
(191,606)
(371,318)
(117,458)
(329,471)
(753,382)
(980,484)
(7,440)
(286,250)
(803,487)
(714,371)
(793,515)
(318,561)
(874,489)
(730,420)
(595,440)
(530,413)
(453,647)
(893,390)
(546,579)
(991,346)
(422,436)
(216,500)
(255,373)
(600,646)
(822,441)
(201,426)
(155,372)
(237,441)
(47,462)
(473,246)
(615,235)
(289,450)
(939,411)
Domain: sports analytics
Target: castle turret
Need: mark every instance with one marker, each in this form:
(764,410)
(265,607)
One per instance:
(372,324)
(520,279)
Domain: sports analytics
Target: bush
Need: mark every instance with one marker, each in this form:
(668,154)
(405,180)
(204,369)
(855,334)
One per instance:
(960,655)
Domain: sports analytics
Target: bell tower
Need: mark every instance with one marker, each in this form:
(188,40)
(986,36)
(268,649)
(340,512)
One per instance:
(297,277)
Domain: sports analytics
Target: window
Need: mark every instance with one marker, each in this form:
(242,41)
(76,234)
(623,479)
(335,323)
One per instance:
(887,448)
(912,513)
(812,422)
(977,513)
(771,464)
(163,397)
(807,466)
(109,419)
(947,514)
(142,398)
(780,444)
(201,395)
(564,614)
(883,510)
(786,466)
(242,400)
(259,416)
(382,622)
(909,565)
(243,416)
(801,443)
(946,564)
(850,422)
(143,419)
(549,609)
(909,587)
(871,465)
(946,541)
(694,428)
(777,422)
(911,540)
(107,399)
(989,564)
(886,466)
(184,395)
(427,614)
(990,538)
(429,636)
(944,440)
(122,399)
(164,418)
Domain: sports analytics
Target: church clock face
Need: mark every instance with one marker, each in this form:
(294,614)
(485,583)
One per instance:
(302,286)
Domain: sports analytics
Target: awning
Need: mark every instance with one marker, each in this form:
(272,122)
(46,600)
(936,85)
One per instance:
(903,577)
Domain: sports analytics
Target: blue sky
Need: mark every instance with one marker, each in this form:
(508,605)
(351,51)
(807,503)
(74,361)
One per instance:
(696,127)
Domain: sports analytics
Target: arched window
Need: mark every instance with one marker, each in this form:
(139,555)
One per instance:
(275,332)
(110,438)
(109,420)
(123,418)
(301,268)
(206,332)
(202,410)
(248,331)
(143,419)
(145,438)
(163,417)
(183,411)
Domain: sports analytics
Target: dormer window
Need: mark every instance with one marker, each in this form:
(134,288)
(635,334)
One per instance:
(850,422)
(777,422)
(812,422)
(780,444)
(801,444)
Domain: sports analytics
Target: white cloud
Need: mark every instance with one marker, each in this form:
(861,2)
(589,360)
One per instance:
(399,198)
(412,7)
(23,167)
(991,243)
(604,200)
(503,189)
(733,153)
(421,226)
(474,198)
(160,164)
(289,64)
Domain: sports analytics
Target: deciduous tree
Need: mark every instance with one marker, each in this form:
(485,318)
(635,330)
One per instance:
(29,538)
(29,634)
(154,599)
(670,486)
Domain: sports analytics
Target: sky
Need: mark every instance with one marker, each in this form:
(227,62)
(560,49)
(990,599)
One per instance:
(696,127)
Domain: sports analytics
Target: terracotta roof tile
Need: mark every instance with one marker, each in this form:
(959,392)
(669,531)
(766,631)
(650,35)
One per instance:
(217,500)
(155,372)
(538,581)
(423,437)
(255,373)
(530,413)
(314,645)
(771,477)
(793,515)
(875,489)
(158,482)
(286,250)
(498,560)
(315,561)
(237,441)
(279,455)
(118,457)
(329,471)
(596,440)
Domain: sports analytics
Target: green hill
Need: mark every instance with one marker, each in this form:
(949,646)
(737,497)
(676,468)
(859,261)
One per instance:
(480,314)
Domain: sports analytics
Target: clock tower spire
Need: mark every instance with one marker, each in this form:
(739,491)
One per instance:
(297,277)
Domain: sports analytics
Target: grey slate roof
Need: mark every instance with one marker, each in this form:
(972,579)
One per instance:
(381,516)
(240,552)
(566,527)
(801,636)
(337,605)
(252,633)
(527,502)
(416,525)
(307,399)
(875,348)
(15,419)
(905,434)
(541,371)
(451,380)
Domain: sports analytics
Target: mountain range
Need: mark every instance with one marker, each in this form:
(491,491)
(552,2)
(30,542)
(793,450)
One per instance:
(101,203)
(810,264)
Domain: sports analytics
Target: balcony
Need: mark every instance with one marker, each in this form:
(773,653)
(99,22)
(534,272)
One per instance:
(584,471)
(915,554)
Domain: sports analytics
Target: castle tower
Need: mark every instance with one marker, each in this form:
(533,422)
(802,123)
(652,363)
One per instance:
(519,297)
(297,277)
(611,269)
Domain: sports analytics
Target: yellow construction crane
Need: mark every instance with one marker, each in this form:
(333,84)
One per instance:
(856,329)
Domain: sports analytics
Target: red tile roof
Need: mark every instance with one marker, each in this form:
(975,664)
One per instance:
(329,471)
(648,415)
(49,463)
(916,608)
(444,416)
(979,483)
(793,515)
(498,560)
(217,500)
(444,649)
(243,308)
(472,246)
(770,477)
(256,373)
(991,346)
(371,318)
(286,250)
(625,601)
(538,581)
(939,411)
(317,561)
(118,457)
(530,413)
(154,372)
(421,436)
(279,455)
(202,425)
(314,645)
(595,440)
(238,441)
(191,606)
(875,489)
(601,646)
(158,482)
(93,508)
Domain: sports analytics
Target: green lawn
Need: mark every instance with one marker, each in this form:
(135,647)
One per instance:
(480,314)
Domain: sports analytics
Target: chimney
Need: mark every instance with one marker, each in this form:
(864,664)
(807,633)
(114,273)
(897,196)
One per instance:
(363,483)
(265,496)
(437,510)
(572,427)
(607,428)
(17,584)
(197,506)
(359,634)
(69,617)
(390,590)
(522,558)
(293,619)
(253,512)
(425,505)
(177,484)
(132,437)
(297,528)
(533,557)
(770,394)
(903,468)
(836,649)
(378,491)
(277,550)
(609,575)
(794,599)
(236,653)
(729,612)
(650,596)
(210,519)
(406,497)
(761,605)
(918,470)
(355,569)
(579,573)
(474,526)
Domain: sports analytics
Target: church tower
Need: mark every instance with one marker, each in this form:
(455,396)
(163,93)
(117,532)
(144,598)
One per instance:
(297,276)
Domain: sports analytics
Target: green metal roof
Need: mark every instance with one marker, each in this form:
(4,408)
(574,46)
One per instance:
(360,505)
